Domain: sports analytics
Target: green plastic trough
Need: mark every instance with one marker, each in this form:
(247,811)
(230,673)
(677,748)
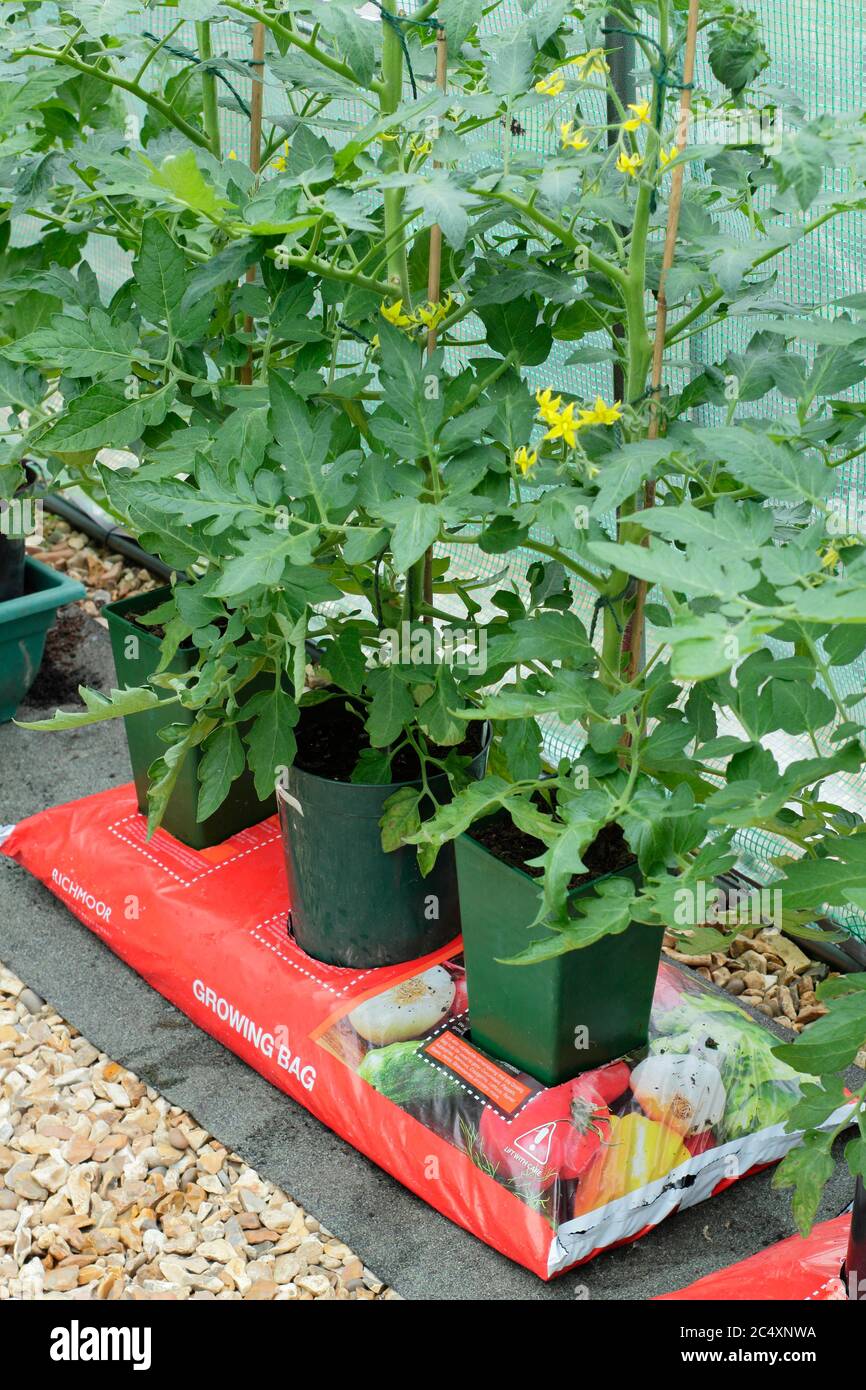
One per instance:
(24,624)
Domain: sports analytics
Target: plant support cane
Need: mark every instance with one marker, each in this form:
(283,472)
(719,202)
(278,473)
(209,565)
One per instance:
(256,102)
(434,277)
(634,636)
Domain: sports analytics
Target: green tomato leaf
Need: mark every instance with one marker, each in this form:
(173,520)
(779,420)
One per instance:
(400,817)
(103,418)
(222,763)
(270,738)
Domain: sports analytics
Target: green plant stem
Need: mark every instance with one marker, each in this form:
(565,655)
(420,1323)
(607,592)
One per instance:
(551,551)
(307,46)
(157,48)
(612,272)
(708,300)
(390,96)
(317,266)
(107,75)
(210,109)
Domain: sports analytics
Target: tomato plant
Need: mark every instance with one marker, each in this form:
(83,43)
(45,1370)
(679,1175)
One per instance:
(330,380)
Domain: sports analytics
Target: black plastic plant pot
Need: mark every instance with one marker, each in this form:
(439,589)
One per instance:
(11,567)
(12,549)
(136,657)
(556,1018)
(854,1268)
(353,904)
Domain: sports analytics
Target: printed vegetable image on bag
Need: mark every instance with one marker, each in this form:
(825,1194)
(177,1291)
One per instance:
(605,1151)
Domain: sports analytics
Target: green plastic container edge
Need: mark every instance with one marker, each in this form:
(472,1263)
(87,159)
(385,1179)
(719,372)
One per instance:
(24,624)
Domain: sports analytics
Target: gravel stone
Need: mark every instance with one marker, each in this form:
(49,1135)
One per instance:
(107,1192)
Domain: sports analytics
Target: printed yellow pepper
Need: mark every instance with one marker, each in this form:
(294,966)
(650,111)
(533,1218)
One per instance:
(639,1152)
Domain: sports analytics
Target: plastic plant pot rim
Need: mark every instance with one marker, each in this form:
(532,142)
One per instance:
(580,891)
(282,794)
(54,590)
(127,609)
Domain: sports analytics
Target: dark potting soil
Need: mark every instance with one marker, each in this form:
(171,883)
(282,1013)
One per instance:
(62,672)
(331,738)
(607,853)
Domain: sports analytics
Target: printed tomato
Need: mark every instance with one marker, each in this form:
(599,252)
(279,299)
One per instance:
(609,1081)
(555,1136)
(699,1143)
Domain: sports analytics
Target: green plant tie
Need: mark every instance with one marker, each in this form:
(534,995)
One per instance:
(662,78)
(397,23)
(189,57)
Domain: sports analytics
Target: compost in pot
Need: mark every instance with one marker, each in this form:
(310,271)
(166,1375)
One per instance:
(353,904)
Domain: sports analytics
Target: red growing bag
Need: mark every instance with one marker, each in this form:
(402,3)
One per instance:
(548,1176)
(798,1268)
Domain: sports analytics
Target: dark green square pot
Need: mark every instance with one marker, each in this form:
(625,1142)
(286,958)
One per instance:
(135,662)
(528,1014)
(24,624)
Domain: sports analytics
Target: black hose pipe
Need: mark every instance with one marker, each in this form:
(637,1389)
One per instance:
(114,537)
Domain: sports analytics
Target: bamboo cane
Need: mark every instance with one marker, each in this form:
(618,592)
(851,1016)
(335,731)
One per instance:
(434,273)
(255,156)
(635,633)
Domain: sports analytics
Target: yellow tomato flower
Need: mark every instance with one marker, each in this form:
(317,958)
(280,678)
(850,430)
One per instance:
(641,115)
(564,426)
(628,163)
(605,414)
(591,62)
(548,407)
(374,341)
(667,157)
(525,459)
(573,139)
(232,154)
(431,315)
(393,314)
(419,146)
(550,86)
(830,557)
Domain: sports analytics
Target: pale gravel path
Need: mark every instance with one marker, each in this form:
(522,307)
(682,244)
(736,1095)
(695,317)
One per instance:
(107,1191)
